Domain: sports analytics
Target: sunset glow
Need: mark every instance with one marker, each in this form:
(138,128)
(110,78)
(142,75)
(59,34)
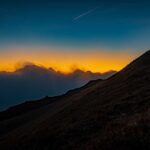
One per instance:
(66,61)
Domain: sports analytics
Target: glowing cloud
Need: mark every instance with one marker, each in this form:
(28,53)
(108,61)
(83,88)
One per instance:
(66,60)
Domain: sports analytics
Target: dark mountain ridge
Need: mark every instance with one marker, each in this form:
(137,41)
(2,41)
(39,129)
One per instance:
(108,114)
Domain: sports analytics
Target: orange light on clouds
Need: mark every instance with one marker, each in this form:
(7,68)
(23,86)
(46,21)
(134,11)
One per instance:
(66,60)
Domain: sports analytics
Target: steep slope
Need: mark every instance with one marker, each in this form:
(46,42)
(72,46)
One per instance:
(109,114)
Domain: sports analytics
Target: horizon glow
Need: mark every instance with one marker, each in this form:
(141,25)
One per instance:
(66,61)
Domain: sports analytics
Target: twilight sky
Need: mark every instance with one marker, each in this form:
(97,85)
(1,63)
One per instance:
(95,35)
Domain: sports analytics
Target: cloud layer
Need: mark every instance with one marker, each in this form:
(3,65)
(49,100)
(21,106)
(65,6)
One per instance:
(34,82)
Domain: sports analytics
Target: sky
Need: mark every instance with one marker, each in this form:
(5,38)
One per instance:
(95,35)
(49,47)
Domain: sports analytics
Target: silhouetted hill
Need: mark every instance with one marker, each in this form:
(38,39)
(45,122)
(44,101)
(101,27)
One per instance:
(104,114)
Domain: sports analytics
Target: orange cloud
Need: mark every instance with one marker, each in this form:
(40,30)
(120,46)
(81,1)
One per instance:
(66,60)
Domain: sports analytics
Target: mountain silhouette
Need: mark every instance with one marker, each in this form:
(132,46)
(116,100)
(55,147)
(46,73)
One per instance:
(102,115)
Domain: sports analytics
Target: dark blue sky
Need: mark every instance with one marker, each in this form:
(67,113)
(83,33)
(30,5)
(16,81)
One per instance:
(117,24)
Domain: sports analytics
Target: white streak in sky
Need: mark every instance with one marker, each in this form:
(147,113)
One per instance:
(84,14)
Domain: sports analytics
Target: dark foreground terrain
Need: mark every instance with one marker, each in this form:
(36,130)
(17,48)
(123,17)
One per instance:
(112,114)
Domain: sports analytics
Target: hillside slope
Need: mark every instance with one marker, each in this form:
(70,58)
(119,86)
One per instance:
(105,114)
